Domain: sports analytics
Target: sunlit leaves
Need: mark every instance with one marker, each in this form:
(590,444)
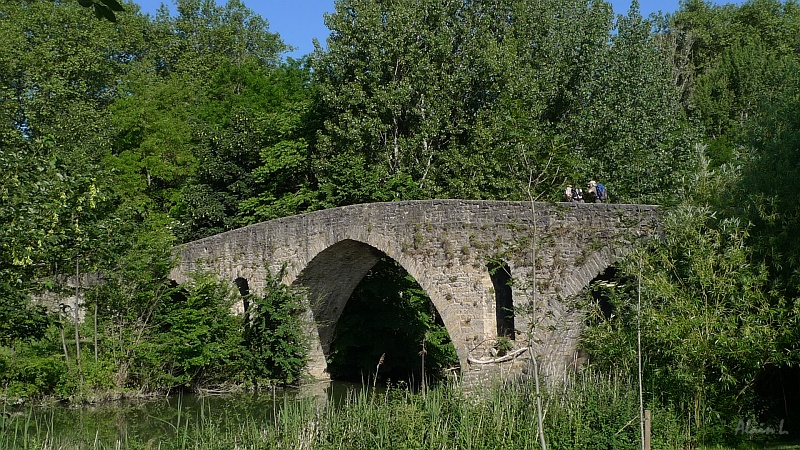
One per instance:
(274,336)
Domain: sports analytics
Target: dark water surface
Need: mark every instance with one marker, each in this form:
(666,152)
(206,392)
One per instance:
(154,420)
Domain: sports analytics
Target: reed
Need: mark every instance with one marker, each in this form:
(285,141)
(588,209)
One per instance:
(593,410)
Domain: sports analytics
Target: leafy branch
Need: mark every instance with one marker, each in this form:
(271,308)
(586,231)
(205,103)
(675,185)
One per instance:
(103,9)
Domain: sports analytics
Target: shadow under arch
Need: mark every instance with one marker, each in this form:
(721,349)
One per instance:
(328,282)
(390,330)
(500,274)
(599,289)
(600,302)
(243,286)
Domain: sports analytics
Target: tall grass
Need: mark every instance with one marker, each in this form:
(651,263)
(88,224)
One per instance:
(592,411)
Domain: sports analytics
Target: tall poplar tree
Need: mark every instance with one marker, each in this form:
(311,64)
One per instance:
(473,99)
(728,61)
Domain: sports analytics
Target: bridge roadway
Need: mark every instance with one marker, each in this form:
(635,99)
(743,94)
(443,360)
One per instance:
(448,246)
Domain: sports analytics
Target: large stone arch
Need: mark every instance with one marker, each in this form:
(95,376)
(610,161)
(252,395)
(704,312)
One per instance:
(330,278)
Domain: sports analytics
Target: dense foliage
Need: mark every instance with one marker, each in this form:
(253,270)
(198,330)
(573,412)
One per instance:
(734,326)
(274,335)
(110,134)
(119,139)
(719,303)
(453,100)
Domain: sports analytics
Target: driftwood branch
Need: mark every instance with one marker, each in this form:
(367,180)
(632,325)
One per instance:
(500,359)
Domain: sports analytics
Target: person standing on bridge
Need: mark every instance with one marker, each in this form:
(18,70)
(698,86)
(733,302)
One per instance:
(591,193)
(597,192)
(577,195)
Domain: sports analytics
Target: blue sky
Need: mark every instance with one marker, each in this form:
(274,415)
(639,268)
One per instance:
(299,21)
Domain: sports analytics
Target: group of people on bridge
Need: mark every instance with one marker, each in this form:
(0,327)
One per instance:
(595,193)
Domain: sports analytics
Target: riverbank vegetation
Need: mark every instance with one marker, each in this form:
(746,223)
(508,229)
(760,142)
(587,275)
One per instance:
(594,410)
(184,340)
(121,139)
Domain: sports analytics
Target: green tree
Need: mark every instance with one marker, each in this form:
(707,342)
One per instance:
(451,99)
(727,60)
(711,320)
(388,83)
(285,180)
(770,173)
(192,341)
(530,134)
(632,128)
(110,136)
(203,102)
(56,88)
(253,150)
(153,158)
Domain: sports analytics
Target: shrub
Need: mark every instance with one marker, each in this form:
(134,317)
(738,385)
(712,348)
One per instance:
(30,371)
(193,338)
(274,338)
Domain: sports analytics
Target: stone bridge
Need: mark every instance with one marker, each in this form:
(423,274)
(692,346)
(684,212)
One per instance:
(451,248)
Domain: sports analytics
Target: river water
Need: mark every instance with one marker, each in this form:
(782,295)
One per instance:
(154,420)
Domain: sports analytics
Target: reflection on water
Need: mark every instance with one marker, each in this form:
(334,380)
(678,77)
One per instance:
(158,419)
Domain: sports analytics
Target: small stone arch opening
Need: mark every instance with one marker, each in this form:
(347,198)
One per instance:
(500,273)
(389,328)
(597,304)
(243,286)
(244,290)
(599,289)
